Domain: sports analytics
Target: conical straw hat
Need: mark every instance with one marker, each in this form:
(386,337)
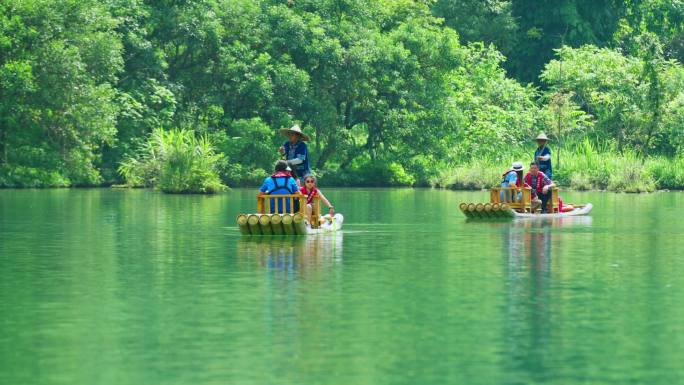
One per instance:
(294,129)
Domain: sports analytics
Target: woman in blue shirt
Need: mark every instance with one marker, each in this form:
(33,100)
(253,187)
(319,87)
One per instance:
(542,155)
(295,151)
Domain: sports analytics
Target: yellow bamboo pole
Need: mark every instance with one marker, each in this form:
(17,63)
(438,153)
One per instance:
(506,210)
(299,225)
(288,226)
(464,209)
(488,209)
(265,223)
(276,224)
(472,211)
(496,210)
(480,209)
(253,222)
(243,225)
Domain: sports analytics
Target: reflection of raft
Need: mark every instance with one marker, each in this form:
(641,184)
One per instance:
(272,220)
(507,203)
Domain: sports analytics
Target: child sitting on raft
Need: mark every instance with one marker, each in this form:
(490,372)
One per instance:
(311,191)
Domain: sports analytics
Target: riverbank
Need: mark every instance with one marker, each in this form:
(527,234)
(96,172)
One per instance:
(583,168)
(604,172)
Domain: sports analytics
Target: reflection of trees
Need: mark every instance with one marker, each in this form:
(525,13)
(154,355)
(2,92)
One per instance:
(528,278)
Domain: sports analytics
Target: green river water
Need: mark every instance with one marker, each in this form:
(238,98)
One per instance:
(108,286)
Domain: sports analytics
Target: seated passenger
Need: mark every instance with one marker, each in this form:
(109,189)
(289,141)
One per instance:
(310,190)
(512,178)
(280,183)
(540,185)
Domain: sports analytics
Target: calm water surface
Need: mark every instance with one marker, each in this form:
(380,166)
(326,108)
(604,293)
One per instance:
(136,287)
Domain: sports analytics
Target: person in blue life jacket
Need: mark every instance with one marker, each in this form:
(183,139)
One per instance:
(280,183)
(512,178)
(296,152)
(542,155)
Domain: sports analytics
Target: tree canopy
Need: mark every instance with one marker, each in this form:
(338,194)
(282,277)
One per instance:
(391,91)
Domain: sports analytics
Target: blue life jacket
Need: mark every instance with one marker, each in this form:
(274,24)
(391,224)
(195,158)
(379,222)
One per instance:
(544,165)
(282,190)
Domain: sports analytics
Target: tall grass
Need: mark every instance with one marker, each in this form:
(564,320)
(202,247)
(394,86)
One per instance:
(583,167)
(175,161)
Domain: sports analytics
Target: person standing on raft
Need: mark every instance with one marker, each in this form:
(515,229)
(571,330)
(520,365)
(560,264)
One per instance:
(296,152)
(540,185)
(542,155)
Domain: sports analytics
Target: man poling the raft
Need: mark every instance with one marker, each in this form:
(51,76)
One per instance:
(296,151)
(542,155)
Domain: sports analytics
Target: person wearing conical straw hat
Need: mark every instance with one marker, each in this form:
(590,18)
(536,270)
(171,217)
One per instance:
(542,155)
(295,151)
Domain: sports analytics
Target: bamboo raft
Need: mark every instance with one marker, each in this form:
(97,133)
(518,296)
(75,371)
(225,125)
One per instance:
(285,215)
(513,202)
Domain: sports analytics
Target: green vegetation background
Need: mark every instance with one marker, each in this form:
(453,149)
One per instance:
(178,94)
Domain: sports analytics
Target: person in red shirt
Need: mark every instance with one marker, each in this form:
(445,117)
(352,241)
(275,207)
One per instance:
(540,185)
(310,191)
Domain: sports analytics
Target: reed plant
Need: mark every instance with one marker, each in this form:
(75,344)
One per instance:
(175,161)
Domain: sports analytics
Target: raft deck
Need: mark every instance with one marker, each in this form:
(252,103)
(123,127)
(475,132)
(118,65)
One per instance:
(286,215)
(516,202)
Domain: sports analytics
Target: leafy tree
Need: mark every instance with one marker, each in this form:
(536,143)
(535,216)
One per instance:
(57,62)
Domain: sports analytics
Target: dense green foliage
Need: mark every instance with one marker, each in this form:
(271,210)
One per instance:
(393,92)
(175,161)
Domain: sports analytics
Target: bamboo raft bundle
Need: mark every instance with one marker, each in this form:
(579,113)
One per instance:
(284,215)
(518,202)
(272,224)
(486,210)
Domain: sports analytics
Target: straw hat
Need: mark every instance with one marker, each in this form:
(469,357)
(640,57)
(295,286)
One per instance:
(517,166)
(542,136)
(295,130)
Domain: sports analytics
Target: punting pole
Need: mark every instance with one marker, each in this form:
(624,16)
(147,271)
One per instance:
(243,225)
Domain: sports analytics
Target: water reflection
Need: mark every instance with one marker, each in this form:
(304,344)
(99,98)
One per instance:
(530,246)
(293,256)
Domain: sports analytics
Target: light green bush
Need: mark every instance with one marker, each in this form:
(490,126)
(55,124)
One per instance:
(175,161)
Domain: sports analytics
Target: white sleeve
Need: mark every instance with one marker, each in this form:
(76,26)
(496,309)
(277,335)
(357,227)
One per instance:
(545,157)
(295,161)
